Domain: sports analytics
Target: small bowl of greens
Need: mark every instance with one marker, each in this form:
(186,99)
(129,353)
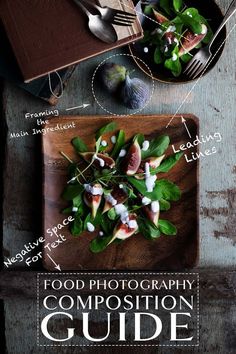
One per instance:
(174,30)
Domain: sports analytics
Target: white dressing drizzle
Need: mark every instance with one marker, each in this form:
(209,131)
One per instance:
(146,145)
(149,179)
(90,227)
(93,190)
(101,161)
(155,206)
(110,199)
(122,153)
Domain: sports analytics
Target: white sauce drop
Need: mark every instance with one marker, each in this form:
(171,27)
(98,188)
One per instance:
(101,233)
(74,209)
(113,139)
(149,180)
(145,49)
(122,153)
(174,57)
(171,29)
(146,201)
(93,190)
(132,224)
(90,227)
(109,198)
(146,145)
(155,206)
(121,186)
(101,161)
(104,143)
(121,210)
(204,29)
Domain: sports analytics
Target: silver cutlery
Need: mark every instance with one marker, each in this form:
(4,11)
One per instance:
(114,16)
(200,60)
(100,28)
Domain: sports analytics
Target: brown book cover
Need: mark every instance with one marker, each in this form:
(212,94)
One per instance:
(49,35)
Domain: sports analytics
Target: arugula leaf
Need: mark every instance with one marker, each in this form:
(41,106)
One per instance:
(148,229)
(164,205)
(191,19)
(67,211)
(158,56)
(106,129)
(99,244)
(177,4)
(209,34)
(186,57)
(98,144)
(77,227)
(120,141)
(77,201)
(167,228)
(140,138)
(157,147)
(164,189)
(174,63)
(72,192)
(79,145)
(112,214)
(167,190)
(168,163)
(166,6)
(148,9)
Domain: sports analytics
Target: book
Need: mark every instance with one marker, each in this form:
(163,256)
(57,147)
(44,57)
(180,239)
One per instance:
(40,87)
(51,35)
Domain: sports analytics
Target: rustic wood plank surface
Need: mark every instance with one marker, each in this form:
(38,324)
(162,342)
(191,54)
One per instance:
(213,101)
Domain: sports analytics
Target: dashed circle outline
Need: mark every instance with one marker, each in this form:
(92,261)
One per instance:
(97,101)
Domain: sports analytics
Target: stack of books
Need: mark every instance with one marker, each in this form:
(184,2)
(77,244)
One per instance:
(45,37)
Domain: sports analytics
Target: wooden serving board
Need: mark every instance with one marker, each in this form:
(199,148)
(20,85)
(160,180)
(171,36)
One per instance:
(136,253)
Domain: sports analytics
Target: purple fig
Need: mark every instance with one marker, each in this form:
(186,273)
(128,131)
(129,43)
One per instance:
(152,213)
(100,160)
(132,159)
(124,231)
(191,40)
(117,196)
(134,93)
(159,17)
(154,162)
(93,201)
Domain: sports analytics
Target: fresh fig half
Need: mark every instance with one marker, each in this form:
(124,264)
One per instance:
(154,162)
(100,160)
(124,231)
(191,40)
(93,201)
(132,159)
(117,195)
(159,17)
(151,215)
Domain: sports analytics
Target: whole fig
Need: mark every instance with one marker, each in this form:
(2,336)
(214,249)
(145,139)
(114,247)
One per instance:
(112,75)
(134,93)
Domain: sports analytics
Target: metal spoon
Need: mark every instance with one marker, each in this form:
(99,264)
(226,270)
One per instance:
(101,29)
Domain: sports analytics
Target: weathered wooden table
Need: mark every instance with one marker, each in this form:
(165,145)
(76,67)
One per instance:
(213,101)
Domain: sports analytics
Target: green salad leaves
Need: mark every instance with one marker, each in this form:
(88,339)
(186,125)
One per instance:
(116,189)
(178,32)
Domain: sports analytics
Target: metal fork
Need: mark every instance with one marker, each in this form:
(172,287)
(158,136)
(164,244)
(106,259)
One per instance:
(114,16)
(200,60)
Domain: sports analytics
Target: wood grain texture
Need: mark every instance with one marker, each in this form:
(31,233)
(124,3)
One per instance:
(135,253)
